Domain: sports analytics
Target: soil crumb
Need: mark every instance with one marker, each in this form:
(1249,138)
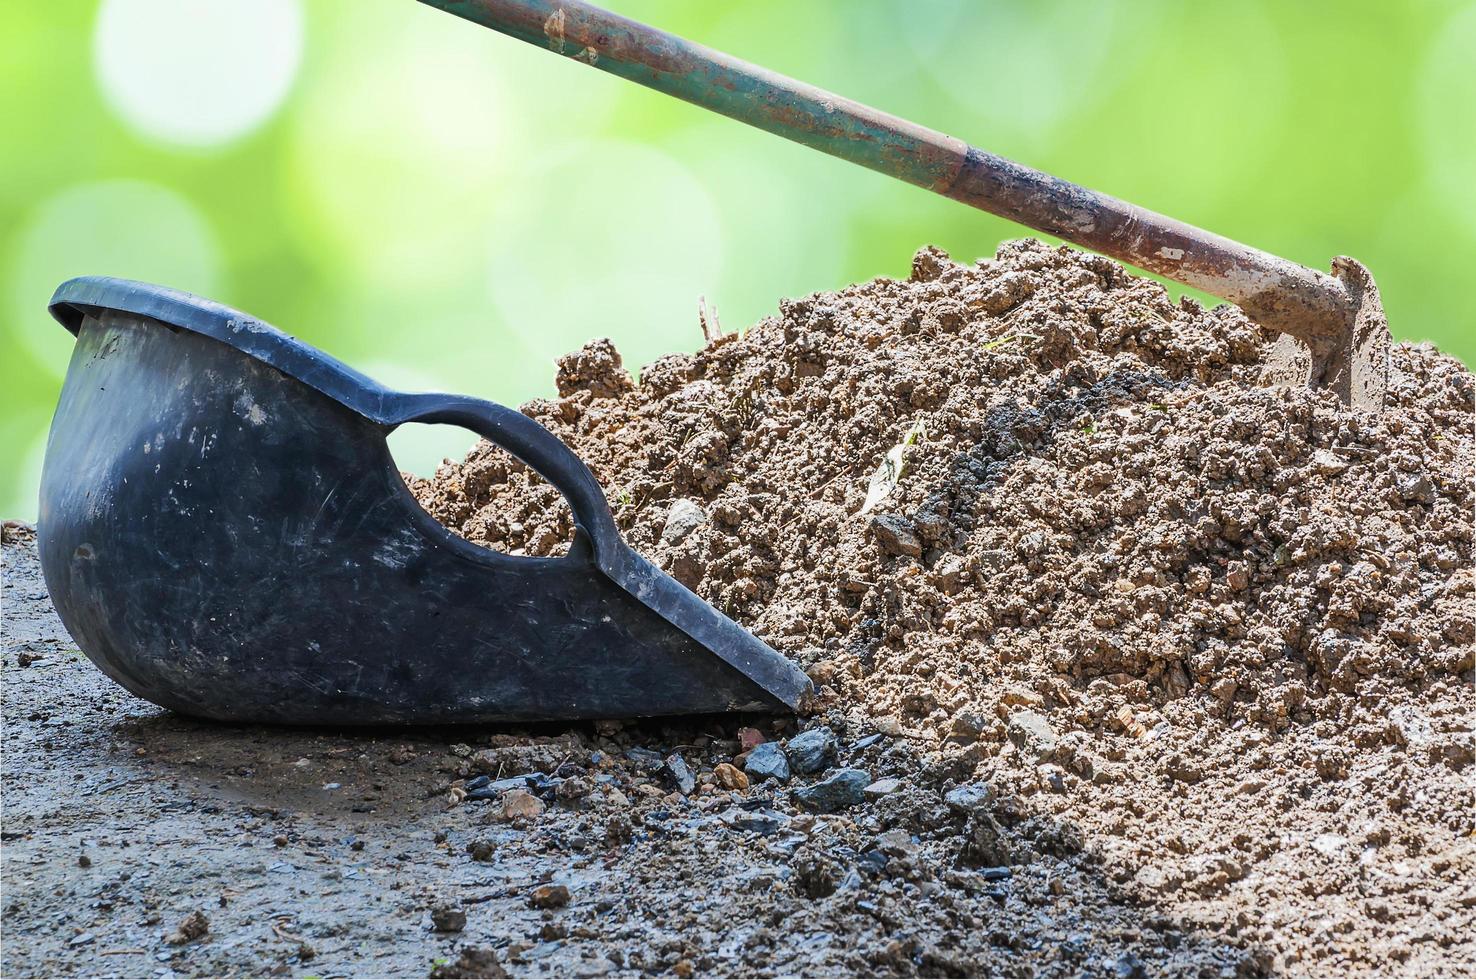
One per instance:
(1061,534)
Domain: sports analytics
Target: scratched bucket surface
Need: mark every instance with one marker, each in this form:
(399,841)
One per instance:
(224,532)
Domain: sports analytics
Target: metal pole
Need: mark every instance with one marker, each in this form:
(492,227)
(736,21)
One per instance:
(1310,305)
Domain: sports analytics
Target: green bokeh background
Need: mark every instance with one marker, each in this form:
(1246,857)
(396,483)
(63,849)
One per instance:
(447,208)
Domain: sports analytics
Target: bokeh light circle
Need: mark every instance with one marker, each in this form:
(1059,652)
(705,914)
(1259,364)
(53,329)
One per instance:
(392,168)
(1018,70)
(1447,93)
(624,250)
(127,228)
(197,72)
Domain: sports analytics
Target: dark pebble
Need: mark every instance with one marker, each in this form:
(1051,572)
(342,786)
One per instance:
(680,773)
(810,751)
(644,758)
(841,790)
(1129,967)
(767,761)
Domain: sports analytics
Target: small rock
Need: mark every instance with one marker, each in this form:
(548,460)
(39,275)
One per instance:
(1237,576)
(729,776)
(964,800)
(841,790)
(951,574)
(967,726)
(764,822)
(882,787)
(518,804)
(1329,463)
(645,758)
(83,861)
(767,761)
(1413,729)
(810,751)
(750,739)
(1224,689)
(1415,488)
(680,773)
(573,790)
(1033,735)
(549,897)
(481,788)
(190,928)
(448,918)
(995,874)
(897,843)
(895,536)
(684,517)
(984,844)
(1129,967)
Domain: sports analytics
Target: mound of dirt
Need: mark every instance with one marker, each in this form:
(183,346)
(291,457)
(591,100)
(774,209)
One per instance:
(1096,493)
(1064,535)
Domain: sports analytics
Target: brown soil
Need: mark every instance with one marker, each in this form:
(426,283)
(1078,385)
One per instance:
(1221,630)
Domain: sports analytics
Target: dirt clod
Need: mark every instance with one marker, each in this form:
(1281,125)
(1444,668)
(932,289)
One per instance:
(473,963)
(193,926)
(549,897)
(446,917)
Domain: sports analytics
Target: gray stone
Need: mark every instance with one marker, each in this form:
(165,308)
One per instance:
(967,726)
(1032,735)
(766,761)
(883,787)
(681,773)
(684,517)
(1128,967)
(896,536)
(841,790)
(762,822)
(495,788)
(964,800)
(644,758)
(810,751)
(1415,488)
(896,843)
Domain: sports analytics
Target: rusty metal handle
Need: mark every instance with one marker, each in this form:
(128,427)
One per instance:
(1310,305)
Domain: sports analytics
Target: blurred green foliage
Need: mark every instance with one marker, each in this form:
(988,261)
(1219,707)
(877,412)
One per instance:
(447,208)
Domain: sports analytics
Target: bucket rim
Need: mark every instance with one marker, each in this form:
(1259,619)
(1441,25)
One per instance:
(76,299)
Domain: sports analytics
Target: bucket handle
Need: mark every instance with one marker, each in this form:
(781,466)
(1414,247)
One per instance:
(534,445)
